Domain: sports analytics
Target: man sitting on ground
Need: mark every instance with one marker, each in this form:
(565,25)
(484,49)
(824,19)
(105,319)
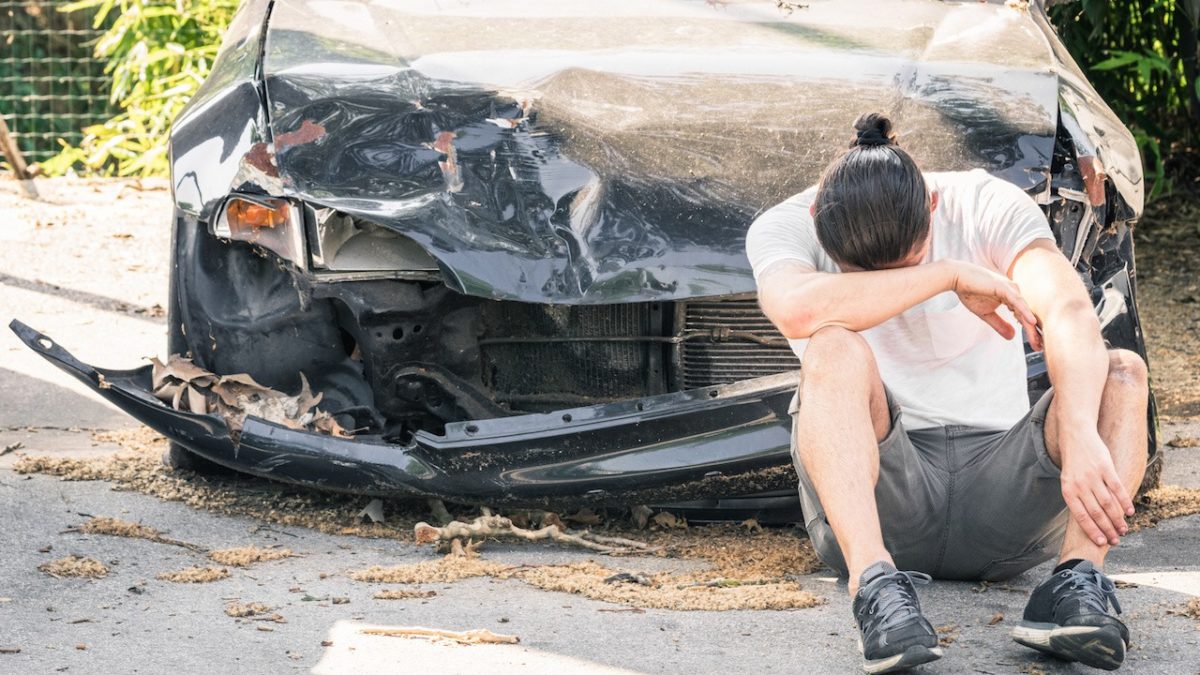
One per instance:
(914,440)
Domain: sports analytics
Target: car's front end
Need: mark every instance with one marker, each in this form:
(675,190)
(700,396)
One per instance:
(504,242)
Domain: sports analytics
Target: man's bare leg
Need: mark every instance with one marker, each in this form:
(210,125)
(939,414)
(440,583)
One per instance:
(1122,426)
(843,416)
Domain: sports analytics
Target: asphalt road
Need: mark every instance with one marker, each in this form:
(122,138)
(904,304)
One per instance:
(100,304)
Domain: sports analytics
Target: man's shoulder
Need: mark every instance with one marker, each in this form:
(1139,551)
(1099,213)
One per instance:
(791,213)
(971,179)
(785,232)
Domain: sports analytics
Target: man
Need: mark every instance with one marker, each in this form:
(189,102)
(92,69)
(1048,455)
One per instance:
(913,437)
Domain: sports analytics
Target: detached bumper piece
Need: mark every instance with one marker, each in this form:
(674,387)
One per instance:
(704,446)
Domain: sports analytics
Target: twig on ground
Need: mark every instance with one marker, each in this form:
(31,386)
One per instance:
(119,528)
(477,636)
(499,526)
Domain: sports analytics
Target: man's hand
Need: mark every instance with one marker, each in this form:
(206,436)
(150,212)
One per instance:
(1091,488)
(982,291)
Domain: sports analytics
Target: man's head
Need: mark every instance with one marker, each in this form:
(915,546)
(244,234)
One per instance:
(872,209)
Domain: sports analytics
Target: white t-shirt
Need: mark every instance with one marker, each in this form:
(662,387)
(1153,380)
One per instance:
(942,363)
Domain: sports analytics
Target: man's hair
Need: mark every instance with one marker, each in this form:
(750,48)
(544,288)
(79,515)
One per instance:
(872,208)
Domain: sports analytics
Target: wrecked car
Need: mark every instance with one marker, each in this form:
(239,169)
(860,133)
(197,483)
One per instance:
(497,247)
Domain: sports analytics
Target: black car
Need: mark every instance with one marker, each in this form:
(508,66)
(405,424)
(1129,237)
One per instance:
(503,241)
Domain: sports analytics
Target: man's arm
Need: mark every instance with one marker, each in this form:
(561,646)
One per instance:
(800,301)
(1078,363)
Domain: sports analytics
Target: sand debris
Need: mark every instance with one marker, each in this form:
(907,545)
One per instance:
(122,528)
(469,637)
(1190,609)
(239,610)
(1185,442)
(403,594)
(245,556)
(947,634)
(440,571)
(744,558)
(75,566)
(664,590)
(1162,503)
(195,575)
(255,611)
(139,468)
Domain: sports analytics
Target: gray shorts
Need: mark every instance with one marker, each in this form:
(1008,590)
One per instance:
(958,502)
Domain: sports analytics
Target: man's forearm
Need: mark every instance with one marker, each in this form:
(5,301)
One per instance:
(1078,363)
(858,300)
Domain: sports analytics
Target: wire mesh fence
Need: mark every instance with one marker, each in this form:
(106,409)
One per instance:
(51,86)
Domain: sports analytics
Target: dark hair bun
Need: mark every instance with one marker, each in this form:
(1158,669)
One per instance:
(873,129)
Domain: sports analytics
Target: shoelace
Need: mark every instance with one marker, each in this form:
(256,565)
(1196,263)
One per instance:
(895,601)
(1095,590)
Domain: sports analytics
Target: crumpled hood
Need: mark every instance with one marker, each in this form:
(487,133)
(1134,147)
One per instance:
(584,152)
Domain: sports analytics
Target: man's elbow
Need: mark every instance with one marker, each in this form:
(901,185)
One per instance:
(793,323)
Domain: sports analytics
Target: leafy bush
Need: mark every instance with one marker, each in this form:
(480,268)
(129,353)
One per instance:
(1141,55)
(158,53)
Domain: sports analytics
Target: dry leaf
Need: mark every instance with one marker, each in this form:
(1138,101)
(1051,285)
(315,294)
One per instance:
(668,521)
(585,516)
(641,515)
(373,510)
(185,386)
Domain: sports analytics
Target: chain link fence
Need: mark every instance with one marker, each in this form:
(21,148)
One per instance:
(51,86)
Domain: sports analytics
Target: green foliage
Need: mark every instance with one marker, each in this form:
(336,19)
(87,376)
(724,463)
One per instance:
(158,54)
(1141,55)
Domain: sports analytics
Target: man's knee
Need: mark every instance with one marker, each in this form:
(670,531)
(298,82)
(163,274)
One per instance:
(839,352)
(1127,370)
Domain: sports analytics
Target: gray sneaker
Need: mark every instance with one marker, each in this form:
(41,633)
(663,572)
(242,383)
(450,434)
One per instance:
(893,635)
(1067,616)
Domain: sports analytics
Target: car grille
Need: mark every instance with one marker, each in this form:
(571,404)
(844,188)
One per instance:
(536,356)
(541,357)
(741,343)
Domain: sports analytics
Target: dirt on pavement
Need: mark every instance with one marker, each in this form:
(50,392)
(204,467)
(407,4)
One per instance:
(115,233)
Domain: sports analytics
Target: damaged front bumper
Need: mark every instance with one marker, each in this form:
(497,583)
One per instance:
(690,445)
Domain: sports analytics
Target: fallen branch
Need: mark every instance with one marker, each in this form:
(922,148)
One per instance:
(116,527)
(469,637)
(499,526)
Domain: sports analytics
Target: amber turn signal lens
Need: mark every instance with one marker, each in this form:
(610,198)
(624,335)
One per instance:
(244,215)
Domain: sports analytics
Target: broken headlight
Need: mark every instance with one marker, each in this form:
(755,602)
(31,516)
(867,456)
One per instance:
(271,223)
(345,244)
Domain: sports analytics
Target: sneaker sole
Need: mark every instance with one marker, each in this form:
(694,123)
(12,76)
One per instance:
(1095,646)
(913,656)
